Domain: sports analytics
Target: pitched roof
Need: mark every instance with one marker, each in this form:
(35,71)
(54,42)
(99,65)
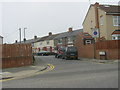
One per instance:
(107,8)
(29,41)
(68,34)
(110,8)
(51,37)
(116,32)
(1,37)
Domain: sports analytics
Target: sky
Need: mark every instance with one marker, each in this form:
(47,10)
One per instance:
(42,16)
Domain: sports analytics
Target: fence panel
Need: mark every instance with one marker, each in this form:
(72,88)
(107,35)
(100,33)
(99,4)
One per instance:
(111,44)
(14,55)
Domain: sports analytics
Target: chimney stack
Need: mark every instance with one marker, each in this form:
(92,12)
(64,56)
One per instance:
(35,37)
(24,39)
(16,41)
(50,33)
(70,29)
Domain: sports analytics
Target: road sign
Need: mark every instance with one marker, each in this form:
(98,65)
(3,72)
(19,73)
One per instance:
(95,32)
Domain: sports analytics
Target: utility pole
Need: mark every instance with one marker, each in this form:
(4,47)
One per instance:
(24,34)
(20,34)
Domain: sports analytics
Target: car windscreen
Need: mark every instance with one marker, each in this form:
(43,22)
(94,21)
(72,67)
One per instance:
(72,49)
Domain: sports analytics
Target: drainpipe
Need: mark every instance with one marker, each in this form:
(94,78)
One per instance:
(96,5)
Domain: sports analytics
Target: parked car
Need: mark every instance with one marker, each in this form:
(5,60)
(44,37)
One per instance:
(43,53)
(60,52)
(70,53)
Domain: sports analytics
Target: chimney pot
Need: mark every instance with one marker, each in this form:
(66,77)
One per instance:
(24,39)
(35,37)
(15,41)
(50,33)
(70,29)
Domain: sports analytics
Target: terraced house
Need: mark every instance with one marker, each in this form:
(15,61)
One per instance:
(45,43)
(105,19)
(67,38)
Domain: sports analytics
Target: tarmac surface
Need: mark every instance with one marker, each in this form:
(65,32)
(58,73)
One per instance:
(27,71)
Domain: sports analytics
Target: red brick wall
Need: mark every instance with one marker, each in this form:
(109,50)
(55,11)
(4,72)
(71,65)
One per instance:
(84,51)
(111,48)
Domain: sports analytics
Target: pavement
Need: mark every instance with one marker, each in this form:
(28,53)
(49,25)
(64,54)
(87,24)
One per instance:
(38,67)
(22,72)
(99,61)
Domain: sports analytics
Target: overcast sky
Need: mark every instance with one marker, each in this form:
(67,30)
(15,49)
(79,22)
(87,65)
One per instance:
(41,17)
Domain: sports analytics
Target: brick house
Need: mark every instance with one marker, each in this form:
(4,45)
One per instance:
(67,38)
(85,45)
(103,18)
(45,43)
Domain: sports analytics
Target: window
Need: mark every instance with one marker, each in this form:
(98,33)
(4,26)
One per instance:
(116,37)
(60,41)
(113,38)
(101,20)
(88,41)
(70,40)
(40,43)
(116,20)
(32,44)
(48,42)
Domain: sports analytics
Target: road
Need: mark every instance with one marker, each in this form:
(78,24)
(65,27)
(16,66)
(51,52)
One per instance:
(70,74)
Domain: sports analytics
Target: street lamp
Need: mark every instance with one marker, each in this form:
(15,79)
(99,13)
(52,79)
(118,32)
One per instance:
(24,34)
(20,34)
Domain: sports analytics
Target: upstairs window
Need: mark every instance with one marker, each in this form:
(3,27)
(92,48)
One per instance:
(101,20)
(116,20)
(48,42)
(70,40)
(60,41)
(40,43)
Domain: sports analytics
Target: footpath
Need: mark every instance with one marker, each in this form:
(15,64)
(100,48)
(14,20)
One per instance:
(25,71)
(99,61)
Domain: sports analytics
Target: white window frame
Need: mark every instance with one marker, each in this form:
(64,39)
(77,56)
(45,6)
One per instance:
(116,37)
(48,42)
(70,40)
(101,20)
(116,20)
(60,41)
(88,41)
(40,43)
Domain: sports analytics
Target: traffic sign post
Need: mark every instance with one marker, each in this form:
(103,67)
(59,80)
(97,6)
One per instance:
(95,33)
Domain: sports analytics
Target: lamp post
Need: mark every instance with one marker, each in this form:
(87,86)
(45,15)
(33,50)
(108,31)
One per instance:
(24,34)
(20,34)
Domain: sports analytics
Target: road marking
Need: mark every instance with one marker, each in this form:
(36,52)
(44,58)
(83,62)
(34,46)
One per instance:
(51,67)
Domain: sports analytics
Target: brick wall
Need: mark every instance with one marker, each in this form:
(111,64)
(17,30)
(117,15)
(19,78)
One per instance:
(84,51)
(111,48)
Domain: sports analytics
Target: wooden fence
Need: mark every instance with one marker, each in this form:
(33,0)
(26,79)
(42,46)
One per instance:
(15,55)
(111,44)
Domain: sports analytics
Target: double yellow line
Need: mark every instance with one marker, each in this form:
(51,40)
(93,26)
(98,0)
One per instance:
(50,67)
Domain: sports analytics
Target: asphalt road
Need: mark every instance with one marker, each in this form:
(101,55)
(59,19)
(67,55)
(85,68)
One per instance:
(70,74)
